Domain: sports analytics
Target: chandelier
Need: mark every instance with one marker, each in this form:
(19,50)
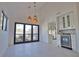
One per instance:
(33,19)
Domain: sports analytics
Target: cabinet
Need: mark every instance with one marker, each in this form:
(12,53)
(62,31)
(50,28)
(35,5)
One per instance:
(65,21)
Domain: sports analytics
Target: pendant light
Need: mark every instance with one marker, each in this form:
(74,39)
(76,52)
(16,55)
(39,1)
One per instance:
(33,19)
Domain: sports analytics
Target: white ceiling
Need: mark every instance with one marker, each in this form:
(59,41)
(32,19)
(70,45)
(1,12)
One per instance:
(19,10)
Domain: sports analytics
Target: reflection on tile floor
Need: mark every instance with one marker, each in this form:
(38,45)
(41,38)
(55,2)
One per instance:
(38,49)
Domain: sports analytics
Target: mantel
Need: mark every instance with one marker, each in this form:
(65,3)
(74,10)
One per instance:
(67,30)
(64,29)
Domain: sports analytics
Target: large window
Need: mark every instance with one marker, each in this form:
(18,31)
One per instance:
(26,33)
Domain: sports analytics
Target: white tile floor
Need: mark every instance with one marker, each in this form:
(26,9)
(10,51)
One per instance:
(37,49)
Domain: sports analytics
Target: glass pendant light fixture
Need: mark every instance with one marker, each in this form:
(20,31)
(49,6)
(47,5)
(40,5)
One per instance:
(33,19)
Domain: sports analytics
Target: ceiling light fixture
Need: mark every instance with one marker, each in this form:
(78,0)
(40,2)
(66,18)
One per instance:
(33,19)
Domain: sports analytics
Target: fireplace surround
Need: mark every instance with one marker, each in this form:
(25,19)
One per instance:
(66,41)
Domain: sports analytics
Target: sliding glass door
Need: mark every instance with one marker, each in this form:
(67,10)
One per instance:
(26,33)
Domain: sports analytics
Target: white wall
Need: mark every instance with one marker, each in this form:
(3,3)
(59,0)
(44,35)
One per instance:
(3,36)
(3,39)
(3,42)
(77,27)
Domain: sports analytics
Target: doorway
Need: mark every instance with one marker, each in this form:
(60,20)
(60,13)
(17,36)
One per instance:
(52,33)
(24,33)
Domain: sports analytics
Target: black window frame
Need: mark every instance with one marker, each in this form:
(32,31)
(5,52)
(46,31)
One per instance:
(24,33)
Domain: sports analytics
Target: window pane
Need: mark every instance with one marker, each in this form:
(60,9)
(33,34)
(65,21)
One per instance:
(4,23)
(63,22)
(35,37)
(19,38)
(35,29)
(68,20)
(1,19)
(19,32)
(35,32)
(28,33)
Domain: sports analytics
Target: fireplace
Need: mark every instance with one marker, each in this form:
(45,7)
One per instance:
(66,41)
